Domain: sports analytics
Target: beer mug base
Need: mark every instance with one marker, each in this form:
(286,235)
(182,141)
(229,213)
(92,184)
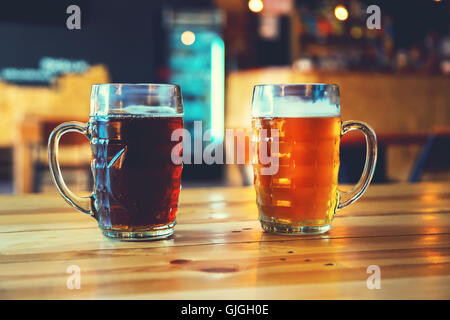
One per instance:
(155,233)
(273,227)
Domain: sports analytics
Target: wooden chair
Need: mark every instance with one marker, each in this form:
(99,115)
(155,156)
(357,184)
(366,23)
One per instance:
(433,162)
(30,153)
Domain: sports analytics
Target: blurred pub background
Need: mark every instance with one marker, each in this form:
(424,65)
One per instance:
(395,78)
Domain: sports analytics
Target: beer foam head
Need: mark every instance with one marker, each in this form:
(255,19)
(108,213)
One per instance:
(147,111)
(295,107)
(304,100)
(141,99)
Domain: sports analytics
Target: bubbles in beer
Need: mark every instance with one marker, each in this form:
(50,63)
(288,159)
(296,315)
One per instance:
(304,190)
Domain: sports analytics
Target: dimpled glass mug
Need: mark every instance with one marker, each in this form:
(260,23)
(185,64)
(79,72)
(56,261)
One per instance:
(136,184)
(304,120)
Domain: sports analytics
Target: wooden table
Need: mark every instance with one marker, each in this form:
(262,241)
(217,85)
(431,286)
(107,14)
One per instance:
(220,252)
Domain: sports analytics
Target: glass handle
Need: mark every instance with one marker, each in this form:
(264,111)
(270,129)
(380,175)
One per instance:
(357,191)
(84,204)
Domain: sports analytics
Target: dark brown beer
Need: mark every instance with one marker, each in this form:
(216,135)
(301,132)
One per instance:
(304,190)
(136,183)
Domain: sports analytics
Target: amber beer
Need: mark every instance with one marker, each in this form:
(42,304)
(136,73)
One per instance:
(302,196)
(304,190)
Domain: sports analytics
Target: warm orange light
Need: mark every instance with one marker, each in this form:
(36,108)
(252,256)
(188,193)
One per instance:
(255,5)
(341,13)
(188,37)
(356,32)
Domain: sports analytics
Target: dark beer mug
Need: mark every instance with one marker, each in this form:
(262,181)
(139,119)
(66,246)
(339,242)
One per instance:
(136,184)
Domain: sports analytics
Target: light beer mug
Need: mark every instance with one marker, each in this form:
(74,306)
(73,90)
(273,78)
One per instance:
(302,196)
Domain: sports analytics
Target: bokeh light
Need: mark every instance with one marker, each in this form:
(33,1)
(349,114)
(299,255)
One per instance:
(356,32)
(188,37)
(255,5)
(341,13)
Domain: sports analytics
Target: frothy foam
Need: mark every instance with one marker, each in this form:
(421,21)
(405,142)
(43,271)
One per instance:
(147,111)
(295,107)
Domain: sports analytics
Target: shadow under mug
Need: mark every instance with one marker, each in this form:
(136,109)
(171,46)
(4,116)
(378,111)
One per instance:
(136,184)
(301,125)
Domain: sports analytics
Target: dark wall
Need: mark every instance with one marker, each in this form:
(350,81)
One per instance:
(124,35)
(413,20)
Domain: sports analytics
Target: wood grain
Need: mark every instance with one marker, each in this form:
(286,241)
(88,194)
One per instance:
(219,251)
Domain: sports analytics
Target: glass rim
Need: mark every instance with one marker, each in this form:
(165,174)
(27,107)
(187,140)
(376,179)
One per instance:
(139,85)
(300,85)
(148,99)
(296,100)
